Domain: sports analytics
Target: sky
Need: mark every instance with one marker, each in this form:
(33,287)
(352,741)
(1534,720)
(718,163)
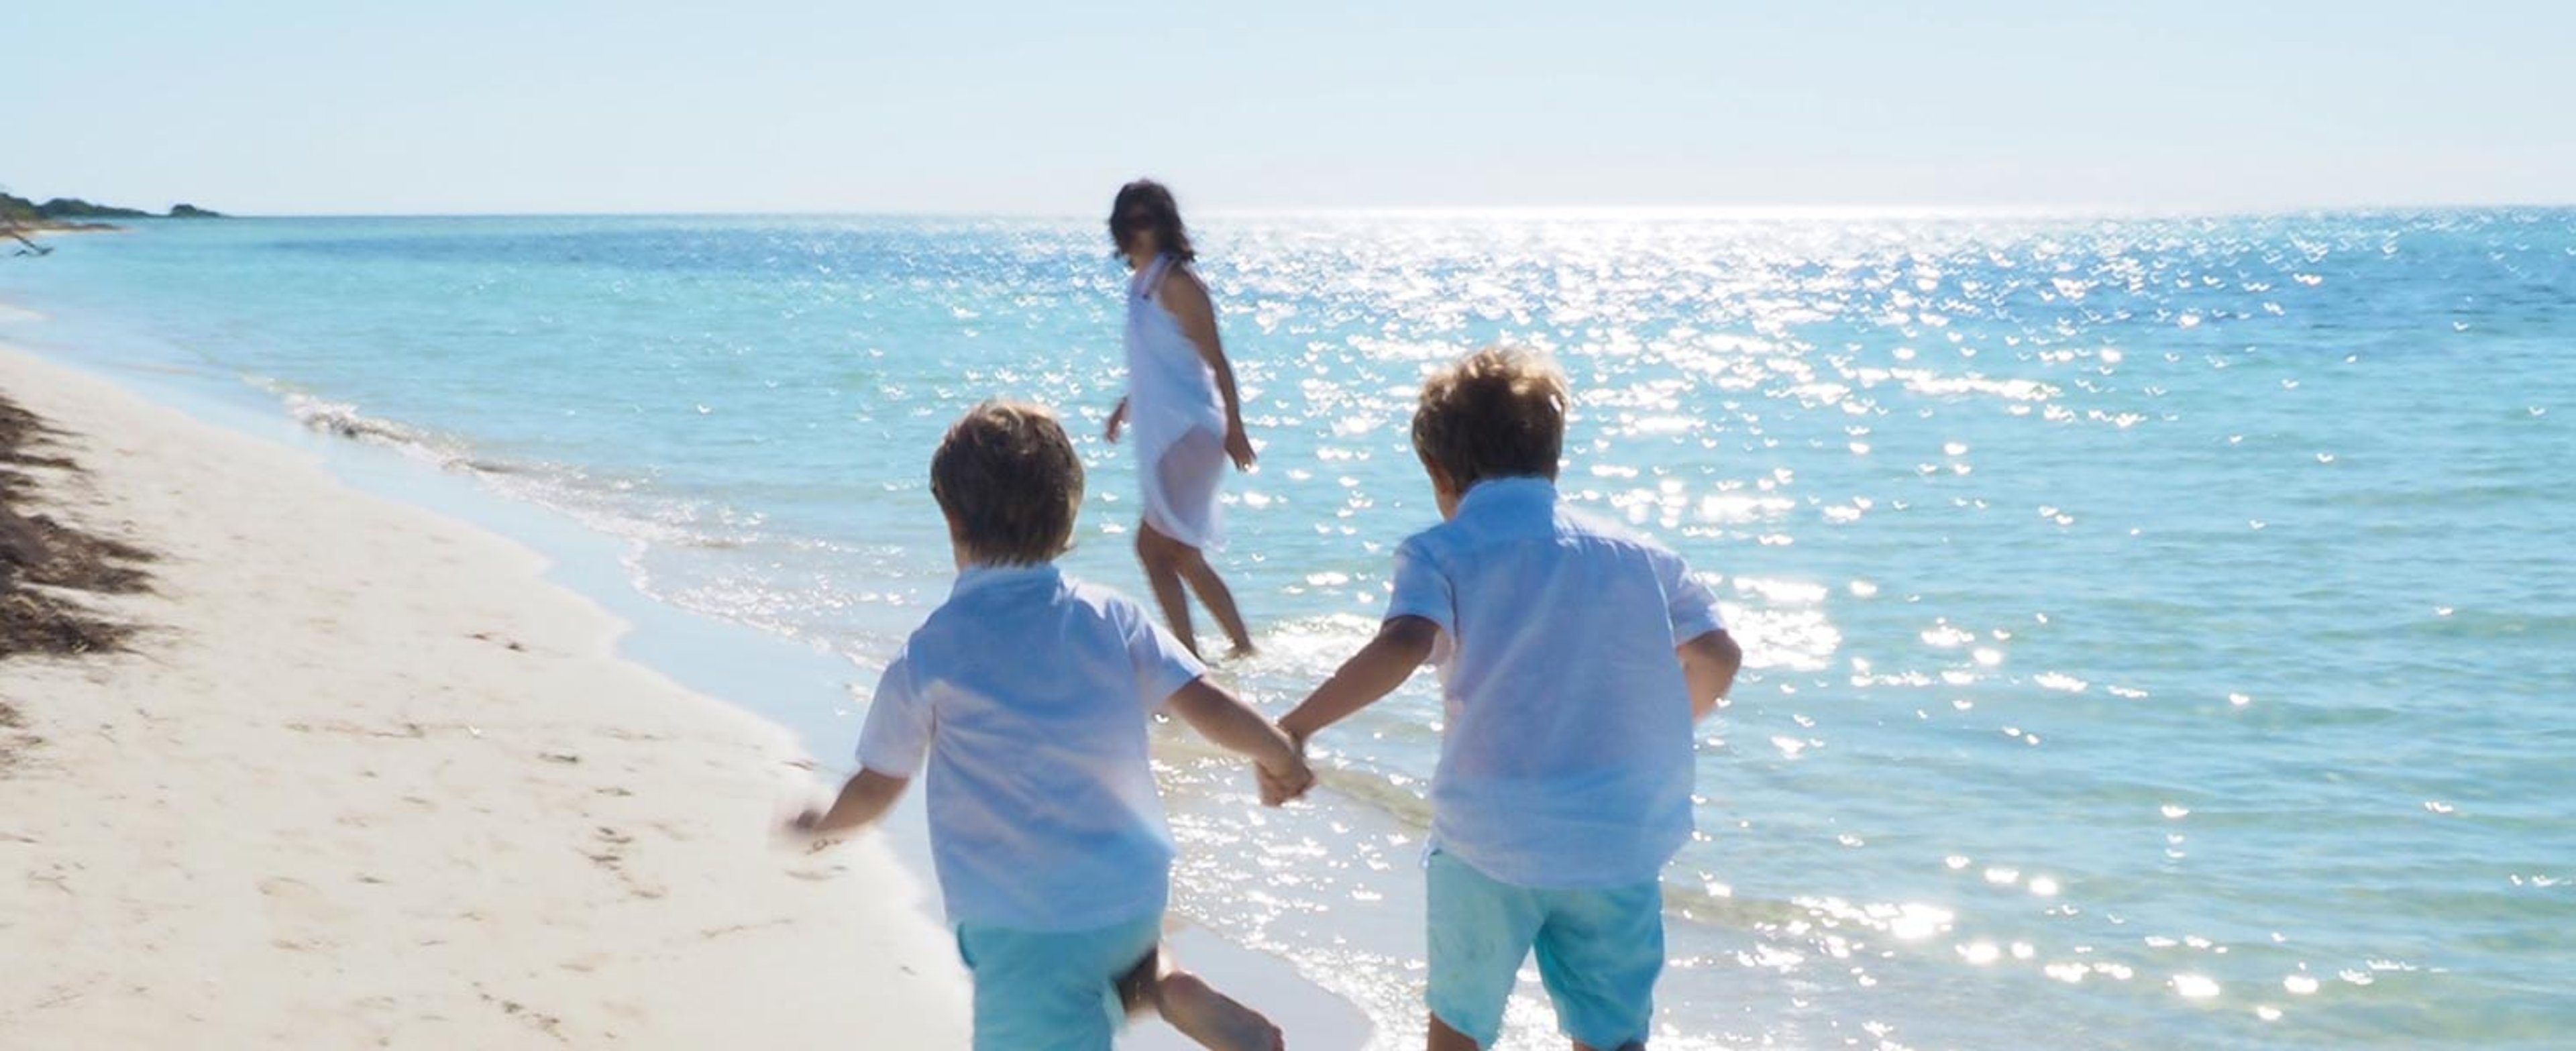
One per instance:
(1037,107)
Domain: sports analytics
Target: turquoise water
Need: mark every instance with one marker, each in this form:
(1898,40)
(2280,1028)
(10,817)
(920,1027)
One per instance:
(2160,629)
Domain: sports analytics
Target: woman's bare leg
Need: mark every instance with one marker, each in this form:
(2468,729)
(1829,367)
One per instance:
(1163,558)
(1189,472)
(1212,591)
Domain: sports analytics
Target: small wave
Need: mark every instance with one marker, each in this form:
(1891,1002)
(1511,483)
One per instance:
(343,420)
(569,491)
(650,527)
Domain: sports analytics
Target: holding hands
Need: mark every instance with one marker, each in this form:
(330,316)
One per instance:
(1278,760)
(1285,778)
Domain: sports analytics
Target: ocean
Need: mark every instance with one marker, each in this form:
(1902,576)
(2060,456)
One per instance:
(2159,629)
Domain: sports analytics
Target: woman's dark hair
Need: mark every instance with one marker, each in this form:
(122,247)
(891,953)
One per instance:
(1148,205)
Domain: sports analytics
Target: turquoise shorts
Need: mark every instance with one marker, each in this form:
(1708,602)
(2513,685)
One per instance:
(1599,953)
(1052,990)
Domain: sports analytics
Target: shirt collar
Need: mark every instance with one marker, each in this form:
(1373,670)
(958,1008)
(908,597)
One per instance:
(984,575)
(1498,493)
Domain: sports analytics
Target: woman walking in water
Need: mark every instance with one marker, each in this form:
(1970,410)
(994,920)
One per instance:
(1181,403)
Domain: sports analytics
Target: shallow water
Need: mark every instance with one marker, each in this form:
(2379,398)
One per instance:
(2158,627)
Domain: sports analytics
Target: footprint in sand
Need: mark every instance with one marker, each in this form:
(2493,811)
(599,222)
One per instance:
(300,915)
(613,859)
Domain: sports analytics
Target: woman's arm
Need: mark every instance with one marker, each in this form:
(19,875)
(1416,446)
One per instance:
(1186,297)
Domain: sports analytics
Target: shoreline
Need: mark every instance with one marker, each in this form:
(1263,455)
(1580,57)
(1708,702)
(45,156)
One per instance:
(374,779)
(879,885)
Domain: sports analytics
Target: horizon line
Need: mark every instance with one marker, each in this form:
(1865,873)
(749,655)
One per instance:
(1735,212)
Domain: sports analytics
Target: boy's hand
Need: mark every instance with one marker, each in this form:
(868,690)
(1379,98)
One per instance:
(1284,781)
(802,829)
(1234,726)
(863,799)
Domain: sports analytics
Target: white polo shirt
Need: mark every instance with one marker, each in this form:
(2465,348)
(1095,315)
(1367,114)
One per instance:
(1567,758)
(1029,695)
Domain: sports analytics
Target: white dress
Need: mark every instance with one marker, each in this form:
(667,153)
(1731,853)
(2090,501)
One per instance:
(1177,416)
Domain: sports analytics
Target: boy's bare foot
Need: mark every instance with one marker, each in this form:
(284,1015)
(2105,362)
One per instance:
(1242,651)
(1215,1020)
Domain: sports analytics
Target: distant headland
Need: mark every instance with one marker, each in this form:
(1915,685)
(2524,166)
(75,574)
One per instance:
(20,217)
(72,209)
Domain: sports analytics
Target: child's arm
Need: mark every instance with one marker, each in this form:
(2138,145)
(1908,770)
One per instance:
(1235,727)
(895,737)
(1401,645)
(1709,662)
(1186,297)
(863,799)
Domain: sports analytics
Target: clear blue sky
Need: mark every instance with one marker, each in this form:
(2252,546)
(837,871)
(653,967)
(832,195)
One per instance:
(305,106)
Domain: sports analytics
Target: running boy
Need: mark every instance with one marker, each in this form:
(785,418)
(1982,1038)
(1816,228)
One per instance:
(1028,695)
(1574,658)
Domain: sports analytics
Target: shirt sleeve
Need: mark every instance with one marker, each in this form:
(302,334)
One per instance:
(1692,607)
(1421,589)
(1163,665)
(896,735)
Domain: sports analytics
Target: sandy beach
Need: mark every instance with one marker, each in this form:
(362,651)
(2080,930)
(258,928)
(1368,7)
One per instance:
(361,778)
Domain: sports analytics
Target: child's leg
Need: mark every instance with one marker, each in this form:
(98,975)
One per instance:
(1599,954)
(1480,931)
(1196,1009)
(1444,1038)
(1040,990)
(1215,1020)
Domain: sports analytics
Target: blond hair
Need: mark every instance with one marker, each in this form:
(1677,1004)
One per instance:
(1498,413)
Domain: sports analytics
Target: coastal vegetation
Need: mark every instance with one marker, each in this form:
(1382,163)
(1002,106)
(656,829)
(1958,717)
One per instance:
(20,216)
(25,212)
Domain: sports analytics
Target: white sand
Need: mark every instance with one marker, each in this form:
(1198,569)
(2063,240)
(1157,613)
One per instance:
(369,781)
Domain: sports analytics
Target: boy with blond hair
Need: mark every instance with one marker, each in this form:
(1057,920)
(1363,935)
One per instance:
(1574,658)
